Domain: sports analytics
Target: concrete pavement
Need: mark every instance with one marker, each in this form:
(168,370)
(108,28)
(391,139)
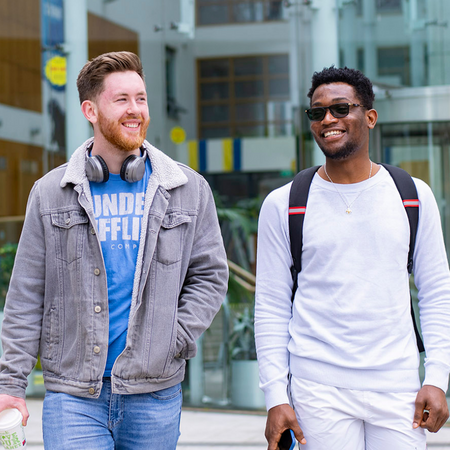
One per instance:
(203,429)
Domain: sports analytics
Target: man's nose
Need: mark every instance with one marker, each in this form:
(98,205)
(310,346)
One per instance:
(329,117)
(133,108)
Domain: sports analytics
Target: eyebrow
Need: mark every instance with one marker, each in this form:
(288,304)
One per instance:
(337,99)
(127,95)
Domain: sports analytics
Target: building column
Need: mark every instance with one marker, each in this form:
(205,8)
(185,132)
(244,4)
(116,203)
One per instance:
(324,45)
(76,48)
(348,41)
(370,50)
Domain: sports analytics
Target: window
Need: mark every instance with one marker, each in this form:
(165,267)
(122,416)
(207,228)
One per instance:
(389,5)
(360,59)
(171,105)
(215,12)
(393,65)
(244,96)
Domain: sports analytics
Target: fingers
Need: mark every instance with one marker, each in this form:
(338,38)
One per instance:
(431,410)
(298,433)
(8,401)
(433,420)
(279,419)
(418,412)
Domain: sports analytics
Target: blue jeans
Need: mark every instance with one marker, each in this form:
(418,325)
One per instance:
(112,421)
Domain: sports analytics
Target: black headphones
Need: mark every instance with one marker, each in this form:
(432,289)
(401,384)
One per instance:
(132,170)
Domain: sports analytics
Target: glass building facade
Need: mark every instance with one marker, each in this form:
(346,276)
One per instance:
(233,74)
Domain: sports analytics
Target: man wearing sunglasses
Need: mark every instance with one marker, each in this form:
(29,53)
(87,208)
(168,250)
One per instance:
(339,365)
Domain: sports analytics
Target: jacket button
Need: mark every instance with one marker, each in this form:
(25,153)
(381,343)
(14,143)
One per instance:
(92,231)
(97,272)
(91,391)
(98,309)
(96,349)
(67,221)
(178,355)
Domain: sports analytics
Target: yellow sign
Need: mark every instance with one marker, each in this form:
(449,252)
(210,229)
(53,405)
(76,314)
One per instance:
(177,135)
(55,70)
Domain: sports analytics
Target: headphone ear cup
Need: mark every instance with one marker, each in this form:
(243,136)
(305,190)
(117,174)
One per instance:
(96,169)
(133,168)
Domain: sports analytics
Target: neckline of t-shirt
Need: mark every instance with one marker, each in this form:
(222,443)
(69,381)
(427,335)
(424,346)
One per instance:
(353,187)
(115,177)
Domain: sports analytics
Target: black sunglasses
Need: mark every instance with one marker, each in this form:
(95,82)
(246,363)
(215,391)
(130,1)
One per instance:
(337,110)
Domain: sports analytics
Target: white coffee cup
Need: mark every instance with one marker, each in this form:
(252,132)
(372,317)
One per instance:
(12,434)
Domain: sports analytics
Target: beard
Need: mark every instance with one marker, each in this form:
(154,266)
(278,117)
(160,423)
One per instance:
(114,133)
(342,153)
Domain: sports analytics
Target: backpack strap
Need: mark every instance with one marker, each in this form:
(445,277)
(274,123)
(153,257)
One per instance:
(298,197)
(408,193)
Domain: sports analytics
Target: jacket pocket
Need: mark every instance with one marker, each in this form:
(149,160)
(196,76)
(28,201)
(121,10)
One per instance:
(50,333)
(170,238)
(70,229)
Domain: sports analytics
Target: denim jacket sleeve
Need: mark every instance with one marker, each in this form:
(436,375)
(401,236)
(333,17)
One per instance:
(21,327)
(205,284)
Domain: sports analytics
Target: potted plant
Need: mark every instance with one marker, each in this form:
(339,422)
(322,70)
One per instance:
(239,227)
(7,256)
(245,392)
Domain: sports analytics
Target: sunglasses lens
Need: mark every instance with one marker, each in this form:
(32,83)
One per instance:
(340,110)
(316,113)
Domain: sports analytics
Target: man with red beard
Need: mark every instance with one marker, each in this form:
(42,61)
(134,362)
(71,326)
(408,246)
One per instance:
(120,268)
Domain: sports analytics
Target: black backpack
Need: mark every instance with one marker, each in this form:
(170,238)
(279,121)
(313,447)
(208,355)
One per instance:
(297,207)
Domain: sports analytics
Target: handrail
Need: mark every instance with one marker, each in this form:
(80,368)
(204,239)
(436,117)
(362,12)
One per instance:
(12,219)
(245,278)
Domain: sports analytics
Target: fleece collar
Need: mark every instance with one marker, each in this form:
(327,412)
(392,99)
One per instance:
(165,171)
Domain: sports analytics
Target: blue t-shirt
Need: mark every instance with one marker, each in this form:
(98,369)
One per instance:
(118,208)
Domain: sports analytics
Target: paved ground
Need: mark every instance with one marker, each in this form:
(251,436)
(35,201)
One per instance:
(202,429)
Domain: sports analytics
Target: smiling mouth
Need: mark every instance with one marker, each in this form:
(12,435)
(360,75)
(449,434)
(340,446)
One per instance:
(332,133)
(131,125)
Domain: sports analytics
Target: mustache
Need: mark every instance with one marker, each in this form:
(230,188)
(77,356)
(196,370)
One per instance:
(133,117)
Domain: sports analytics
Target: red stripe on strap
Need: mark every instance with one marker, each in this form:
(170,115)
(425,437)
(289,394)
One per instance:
(411,203)
(297,210)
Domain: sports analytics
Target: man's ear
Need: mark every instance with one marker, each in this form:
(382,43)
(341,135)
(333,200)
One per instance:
(371,117)
(89,110)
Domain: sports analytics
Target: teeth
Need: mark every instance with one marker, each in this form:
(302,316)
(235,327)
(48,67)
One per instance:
(131,125)
(332,133)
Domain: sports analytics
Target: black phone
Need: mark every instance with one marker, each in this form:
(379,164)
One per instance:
(287,440)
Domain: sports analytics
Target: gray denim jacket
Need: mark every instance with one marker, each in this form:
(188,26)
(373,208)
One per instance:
(57,303)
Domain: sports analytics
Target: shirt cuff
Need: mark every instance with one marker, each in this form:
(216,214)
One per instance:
(436,375)
(276,395)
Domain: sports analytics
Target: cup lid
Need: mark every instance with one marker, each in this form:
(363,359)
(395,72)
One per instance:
(9,418)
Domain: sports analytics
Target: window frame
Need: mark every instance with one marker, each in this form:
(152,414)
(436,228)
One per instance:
(230,14)
(233,124)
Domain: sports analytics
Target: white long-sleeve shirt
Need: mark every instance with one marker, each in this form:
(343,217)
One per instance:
(350,324)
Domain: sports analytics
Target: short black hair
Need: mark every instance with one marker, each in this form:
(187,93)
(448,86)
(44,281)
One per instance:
(362,85)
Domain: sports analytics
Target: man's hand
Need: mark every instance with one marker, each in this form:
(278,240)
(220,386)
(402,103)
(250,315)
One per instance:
(279,419)
(431,409)
(8,401)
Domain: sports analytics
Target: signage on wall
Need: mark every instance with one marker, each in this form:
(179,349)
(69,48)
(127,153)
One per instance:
(53,74)
(177,135)
(55,71)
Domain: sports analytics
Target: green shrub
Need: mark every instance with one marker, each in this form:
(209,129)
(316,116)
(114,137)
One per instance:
(7,255)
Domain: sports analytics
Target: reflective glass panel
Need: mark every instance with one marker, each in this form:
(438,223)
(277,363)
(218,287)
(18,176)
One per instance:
(214,68)
(248,66)
(214,91)
(213,14)
(249,89)
(250,112)
(215,113)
